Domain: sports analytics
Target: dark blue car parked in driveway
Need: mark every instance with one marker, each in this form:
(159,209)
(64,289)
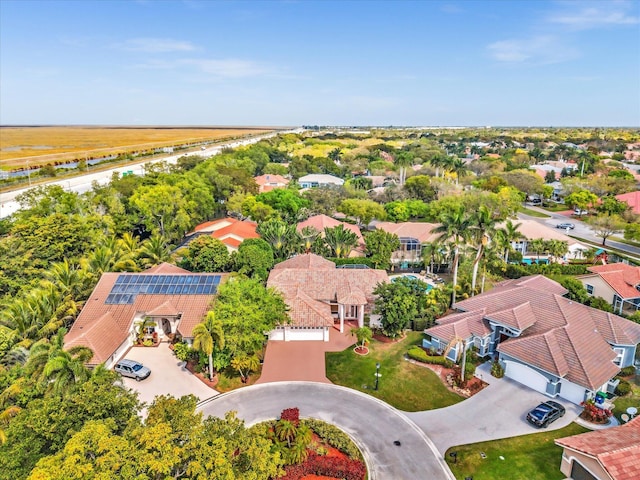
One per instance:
(545,413)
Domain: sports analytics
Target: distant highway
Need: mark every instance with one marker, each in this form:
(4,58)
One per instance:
(82,183)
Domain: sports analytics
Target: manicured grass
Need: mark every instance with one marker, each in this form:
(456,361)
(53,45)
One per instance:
(230,380)
(630,400)
(530,457)
(402,384)
(534,213)
(556,207)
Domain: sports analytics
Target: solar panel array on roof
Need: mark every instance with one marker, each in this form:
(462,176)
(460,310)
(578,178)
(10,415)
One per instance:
(126,288)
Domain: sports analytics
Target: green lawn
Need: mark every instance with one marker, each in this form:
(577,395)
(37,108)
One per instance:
(630,400)
(530,457)
(406,386)
(534,213)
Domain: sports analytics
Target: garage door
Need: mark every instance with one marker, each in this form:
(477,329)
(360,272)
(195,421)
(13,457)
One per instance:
(572,392)
(527,376)
(294,334)
(578,472)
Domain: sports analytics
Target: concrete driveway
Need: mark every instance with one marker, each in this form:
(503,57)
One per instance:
(168,375)
(497,411)
(372,424)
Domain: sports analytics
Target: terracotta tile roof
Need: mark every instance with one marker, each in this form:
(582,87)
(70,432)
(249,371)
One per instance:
(310,278)
(270,178)
(465,325)
(621,277)
(617,449)
(633,199)
(559,336)
(165,267)
(307,260)
(104,327)
(421,231)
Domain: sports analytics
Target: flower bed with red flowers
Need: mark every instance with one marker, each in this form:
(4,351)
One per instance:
(327,466)
(594,414)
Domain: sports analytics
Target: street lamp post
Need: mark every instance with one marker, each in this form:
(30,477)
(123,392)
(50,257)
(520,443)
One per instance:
(377,374)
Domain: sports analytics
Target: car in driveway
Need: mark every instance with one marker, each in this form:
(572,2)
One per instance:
(566,226)
(545,413)
(132,369)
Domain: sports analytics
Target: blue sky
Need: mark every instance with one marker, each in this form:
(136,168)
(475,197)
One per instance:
(147,62)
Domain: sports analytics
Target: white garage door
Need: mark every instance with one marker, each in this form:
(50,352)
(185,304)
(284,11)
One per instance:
(294,334)
(527,376)
(572,392)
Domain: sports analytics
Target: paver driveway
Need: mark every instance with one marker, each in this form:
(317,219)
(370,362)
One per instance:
(372,424)
(168,375)
(302,360)
(498,411)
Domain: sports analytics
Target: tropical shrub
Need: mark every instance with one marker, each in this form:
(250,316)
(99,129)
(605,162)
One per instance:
(334,437)
(623,388)
(628,371)
(291,414)
(182,351)
(418,354)
(593,413)
(497,370)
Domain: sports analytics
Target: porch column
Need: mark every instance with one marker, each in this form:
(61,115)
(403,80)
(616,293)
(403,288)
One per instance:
(341,316)
(360,316)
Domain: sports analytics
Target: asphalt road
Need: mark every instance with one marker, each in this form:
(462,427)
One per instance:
(581,230)
(82,183)
(372,424)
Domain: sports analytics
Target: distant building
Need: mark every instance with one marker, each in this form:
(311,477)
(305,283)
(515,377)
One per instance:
(632,199)
(269,182)
(412,235)
(320,222)
(228,230)
(319,180)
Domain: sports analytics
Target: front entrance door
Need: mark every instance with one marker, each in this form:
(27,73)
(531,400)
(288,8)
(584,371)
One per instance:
(166,326)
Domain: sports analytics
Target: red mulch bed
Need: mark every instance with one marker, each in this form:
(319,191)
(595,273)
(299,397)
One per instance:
(384,339)
(474,385)
(331,453)
(203,378)
(361,350)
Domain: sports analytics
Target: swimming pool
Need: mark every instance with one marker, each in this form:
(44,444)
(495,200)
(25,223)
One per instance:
(413,277)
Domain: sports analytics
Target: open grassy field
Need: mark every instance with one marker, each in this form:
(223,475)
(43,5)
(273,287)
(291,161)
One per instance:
(42,145)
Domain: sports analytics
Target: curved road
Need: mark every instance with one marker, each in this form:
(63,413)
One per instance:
(372,424)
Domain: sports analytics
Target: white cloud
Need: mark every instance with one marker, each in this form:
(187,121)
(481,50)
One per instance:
(156,45)
(538,50)
(223,68)
(451,8)
(578,16)
(229,68)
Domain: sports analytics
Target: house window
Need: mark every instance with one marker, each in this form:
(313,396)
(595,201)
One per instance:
(619,355)
(589,288)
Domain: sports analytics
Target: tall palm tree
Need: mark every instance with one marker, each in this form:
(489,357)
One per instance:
(438,161)
(507,235)
(403,160)
(207,336)
(340,240)
(153,251)
(459,167)
(482,228)
(537,245)
(454,226)
(557,248)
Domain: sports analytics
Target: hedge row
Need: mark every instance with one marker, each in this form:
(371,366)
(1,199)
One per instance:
(517,271)
(334,437)
(418,354)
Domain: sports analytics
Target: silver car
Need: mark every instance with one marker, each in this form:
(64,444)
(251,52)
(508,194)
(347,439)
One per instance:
(132,369)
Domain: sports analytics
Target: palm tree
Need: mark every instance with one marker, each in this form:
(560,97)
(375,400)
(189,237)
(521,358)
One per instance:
(298,452)
(537,245)
(438,161)
(482,226)
(454,226)
(286,431)
(309,236)
(508,234)
(557,248)
(403,160)
(340,240)
(283,237)
(207,336)
(459,167)
(57,367)
(363,334)
(154,250)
